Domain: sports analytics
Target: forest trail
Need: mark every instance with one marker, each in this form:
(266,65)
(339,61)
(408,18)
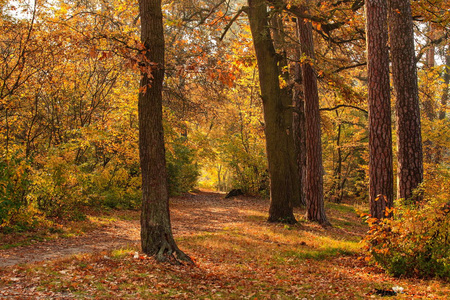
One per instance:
(191,214)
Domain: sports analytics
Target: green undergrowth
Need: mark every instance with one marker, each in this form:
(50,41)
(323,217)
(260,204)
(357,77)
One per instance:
(51,230)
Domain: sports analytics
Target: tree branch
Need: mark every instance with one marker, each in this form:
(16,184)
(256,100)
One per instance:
(240,11)
(343,105)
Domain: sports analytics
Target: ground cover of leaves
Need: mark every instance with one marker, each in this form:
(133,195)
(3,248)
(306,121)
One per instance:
(237,254)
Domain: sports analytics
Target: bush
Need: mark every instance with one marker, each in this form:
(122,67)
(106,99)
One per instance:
(416,242)
(56,189)
(183,172)
(14,183)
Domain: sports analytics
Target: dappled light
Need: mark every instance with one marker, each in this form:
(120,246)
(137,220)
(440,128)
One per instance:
(224,149)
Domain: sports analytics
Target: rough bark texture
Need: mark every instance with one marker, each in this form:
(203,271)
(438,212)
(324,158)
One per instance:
(156,231)
(277,129)
(279,44)
(404,72)
(314,173)
(299,124)
(381,178)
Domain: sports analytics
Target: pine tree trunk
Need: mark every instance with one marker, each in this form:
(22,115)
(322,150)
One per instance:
(404,73)
(381,178)
(277,129)
(156,233)
(314,173)
(299,124)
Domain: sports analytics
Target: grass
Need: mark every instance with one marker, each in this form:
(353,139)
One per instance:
(250,259)
(51,230)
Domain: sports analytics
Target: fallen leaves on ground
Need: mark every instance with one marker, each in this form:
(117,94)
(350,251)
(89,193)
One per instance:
(237,256)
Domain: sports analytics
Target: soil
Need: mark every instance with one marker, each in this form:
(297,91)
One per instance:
(188,215)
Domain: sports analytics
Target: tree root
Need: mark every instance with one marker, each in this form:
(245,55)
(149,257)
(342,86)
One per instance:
(169,252)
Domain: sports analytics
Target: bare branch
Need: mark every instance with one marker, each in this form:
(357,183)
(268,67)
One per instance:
(344,105)
(240,11)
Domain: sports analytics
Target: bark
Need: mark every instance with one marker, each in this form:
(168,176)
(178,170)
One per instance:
(404,73)
(299,124)
(277,130)
(381,178)
(314,172)
(445,93)
(156,232)
(428,103)
(294,140)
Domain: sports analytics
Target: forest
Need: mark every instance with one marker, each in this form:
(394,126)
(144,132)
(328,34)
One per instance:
(124,124)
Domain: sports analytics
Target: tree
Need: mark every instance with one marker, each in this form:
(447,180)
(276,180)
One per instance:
(299,120)
(446,77)
(314,172)
(381,178)
(404,73)
(277,128)
(156,232)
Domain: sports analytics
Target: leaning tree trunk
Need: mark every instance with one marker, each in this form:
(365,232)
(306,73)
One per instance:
(381,178)
(314,173)
(276,128)
(156,233)
(404,73)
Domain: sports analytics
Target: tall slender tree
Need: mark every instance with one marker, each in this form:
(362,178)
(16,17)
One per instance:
(381,178)
(299,120)
(446,77)
(314,173)
(156,232)
(404,73)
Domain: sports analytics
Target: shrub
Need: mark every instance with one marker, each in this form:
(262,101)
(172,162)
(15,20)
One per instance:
(14,183)
(416,242)
(182,170)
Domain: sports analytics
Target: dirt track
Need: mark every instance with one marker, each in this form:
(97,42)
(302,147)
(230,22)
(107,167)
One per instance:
(188,217)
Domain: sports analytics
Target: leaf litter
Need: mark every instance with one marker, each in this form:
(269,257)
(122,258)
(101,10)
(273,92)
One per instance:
(237,256)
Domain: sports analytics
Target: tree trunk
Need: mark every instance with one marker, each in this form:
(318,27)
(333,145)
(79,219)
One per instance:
(381,178)
(404,73)
(156,231)
(428,103)
(314,172)
(445,93)
(299,124)
(277,129)
(279,43)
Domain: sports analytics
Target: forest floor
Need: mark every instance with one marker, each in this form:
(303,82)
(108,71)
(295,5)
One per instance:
(237,254)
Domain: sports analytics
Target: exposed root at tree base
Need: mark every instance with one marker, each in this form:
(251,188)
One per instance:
(169,252)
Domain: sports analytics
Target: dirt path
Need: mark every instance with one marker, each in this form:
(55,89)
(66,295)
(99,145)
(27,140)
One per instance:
(188,217)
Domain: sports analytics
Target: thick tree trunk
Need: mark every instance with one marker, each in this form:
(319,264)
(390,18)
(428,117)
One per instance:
(381,178)
(156,232)
(404,73)
(279,43)
(277,129)
(314,173)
